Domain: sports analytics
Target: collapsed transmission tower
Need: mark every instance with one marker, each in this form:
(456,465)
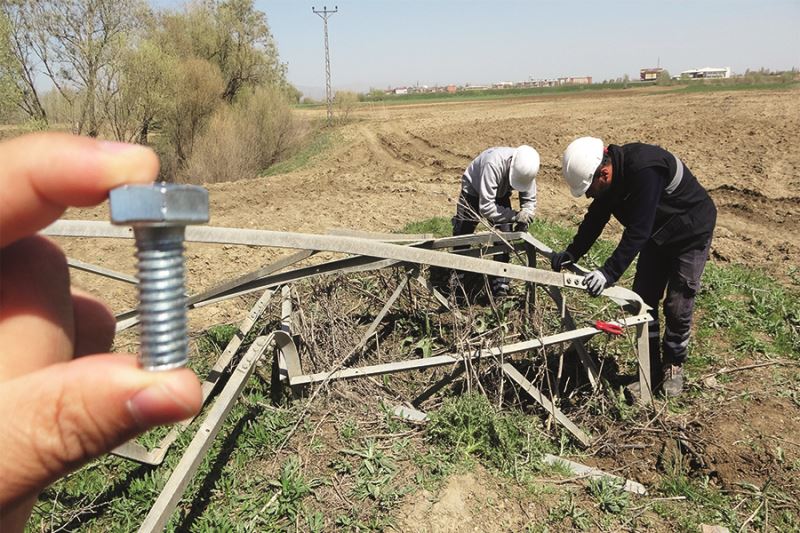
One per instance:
(324,14)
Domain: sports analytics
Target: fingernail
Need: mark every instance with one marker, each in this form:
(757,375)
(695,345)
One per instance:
(158,404)
(128,163)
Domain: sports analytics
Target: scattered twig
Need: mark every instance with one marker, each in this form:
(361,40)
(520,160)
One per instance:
(781,362)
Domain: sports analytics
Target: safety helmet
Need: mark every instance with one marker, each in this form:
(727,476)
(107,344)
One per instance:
(581,159)
(524,167)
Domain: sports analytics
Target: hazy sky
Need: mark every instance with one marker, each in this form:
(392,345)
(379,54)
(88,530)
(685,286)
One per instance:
(378,43)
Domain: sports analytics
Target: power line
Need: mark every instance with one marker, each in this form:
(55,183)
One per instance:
(324,14)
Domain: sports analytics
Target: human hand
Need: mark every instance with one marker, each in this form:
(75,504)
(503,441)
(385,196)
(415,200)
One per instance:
(524,217)
(595,282)
(560,259)
(60,407)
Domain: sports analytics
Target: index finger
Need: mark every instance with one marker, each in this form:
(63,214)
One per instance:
(44,173)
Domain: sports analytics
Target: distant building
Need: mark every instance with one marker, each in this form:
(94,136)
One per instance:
(400,90)
(555,82)
(650,74)
(706,73)
(575,80)
(451,89)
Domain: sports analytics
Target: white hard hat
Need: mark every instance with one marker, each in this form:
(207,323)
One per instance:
(581,159)
(524,167)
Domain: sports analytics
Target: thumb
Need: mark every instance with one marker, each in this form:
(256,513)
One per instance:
(60,417)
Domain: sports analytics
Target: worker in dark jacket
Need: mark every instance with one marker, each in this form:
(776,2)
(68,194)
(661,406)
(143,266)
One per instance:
(669,220)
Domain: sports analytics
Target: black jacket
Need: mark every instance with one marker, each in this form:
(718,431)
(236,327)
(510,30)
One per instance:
(655,199)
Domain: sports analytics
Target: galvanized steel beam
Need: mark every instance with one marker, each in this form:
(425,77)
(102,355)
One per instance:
(545,402)
(155,456)
(105,272)
(171,494)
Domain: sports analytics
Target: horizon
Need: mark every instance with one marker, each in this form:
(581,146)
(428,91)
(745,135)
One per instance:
(413,43)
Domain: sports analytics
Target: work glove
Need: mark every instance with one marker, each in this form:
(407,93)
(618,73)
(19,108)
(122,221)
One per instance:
(560,259)
(524,217)
(595,282)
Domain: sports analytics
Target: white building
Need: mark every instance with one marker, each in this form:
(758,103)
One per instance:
(707,73)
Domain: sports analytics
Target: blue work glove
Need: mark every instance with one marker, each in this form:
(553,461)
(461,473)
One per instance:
(560,259)
(595,282)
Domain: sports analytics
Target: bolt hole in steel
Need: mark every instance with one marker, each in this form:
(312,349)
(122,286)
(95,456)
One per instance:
(159,214)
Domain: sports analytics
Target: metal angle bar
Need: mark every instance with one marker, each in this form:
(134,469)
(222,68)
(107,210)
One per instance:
(99,229)
(643,349)
(446,359)
(336,266)
(295,275)
(288,358)
(288,353)
(365,247)
(340,266)
(424,282)
(266,270)
(155,456)
(569,323)
(352,245)
(128,318)
(94,269)
(385,237)
(545,402)
(286,309)
(171,494)
(87,228)
(378,319)
(594,473)
(384,250)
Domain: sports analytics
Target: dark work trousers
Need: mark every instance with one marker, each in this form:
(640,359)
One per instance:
(465,222)
(679,273)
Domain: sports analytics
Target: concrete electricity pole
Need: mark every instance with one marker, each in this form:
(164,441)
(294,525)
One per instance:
(324,14)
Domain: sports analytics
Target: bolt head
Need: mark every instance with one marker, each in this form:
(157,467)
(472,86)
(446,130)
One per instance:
(159,204)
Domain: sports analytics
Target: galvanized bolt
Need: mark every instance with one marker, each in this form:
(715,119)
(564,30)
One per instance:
(159,214)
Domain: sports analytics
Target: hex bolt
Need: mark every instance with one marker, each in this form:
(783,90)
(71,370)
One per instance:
(159,214)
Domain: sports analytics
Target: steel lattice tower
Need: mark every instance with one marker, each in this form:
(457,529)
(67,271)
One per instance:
(324,14)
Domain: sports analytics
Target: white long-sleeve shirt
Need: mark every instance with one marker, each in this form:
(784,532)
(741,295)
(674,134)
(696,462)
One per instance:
(487,177)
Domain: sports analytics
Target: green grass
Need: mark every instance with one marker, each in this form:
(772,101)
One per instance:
(736,85)
(321,140)
(468,426)
(438,226)
(747,312)
(731,84)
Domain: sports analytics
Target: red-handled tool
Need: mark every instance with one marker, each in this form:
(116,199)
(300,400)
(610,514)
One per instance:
(608,327)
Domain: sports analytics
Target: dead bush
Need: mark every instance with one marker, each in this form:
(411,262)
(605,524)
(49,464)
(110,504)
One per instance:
(345,102)
(244,139)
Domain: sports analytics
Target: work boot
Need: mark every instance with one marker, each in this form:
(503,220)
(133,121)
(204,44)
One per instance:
(673,381)
(500,290)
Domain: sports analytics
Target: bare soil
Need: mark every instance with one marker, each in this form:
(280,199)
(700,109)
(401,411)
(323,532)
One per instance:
(396,164)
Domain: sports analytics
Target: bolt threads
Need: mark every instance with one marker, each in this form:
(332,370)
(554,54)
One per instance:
(162,297)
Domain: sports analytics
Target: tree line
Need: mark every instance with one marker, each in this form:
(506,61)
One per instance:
(177,80)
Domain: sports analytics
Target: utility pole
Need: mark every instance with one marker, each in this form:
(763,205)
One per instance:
(324,14)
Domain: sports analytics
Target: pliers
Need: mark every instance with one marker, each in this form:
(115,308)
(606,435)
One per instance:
(608,327)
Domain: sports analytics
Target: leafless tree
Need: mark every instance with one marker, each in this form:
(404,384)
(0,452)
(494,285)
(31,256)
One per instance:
(78,44)
(17,61)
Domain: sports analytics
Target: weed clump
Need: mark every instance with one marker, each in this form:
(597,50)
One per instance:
(469,425)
